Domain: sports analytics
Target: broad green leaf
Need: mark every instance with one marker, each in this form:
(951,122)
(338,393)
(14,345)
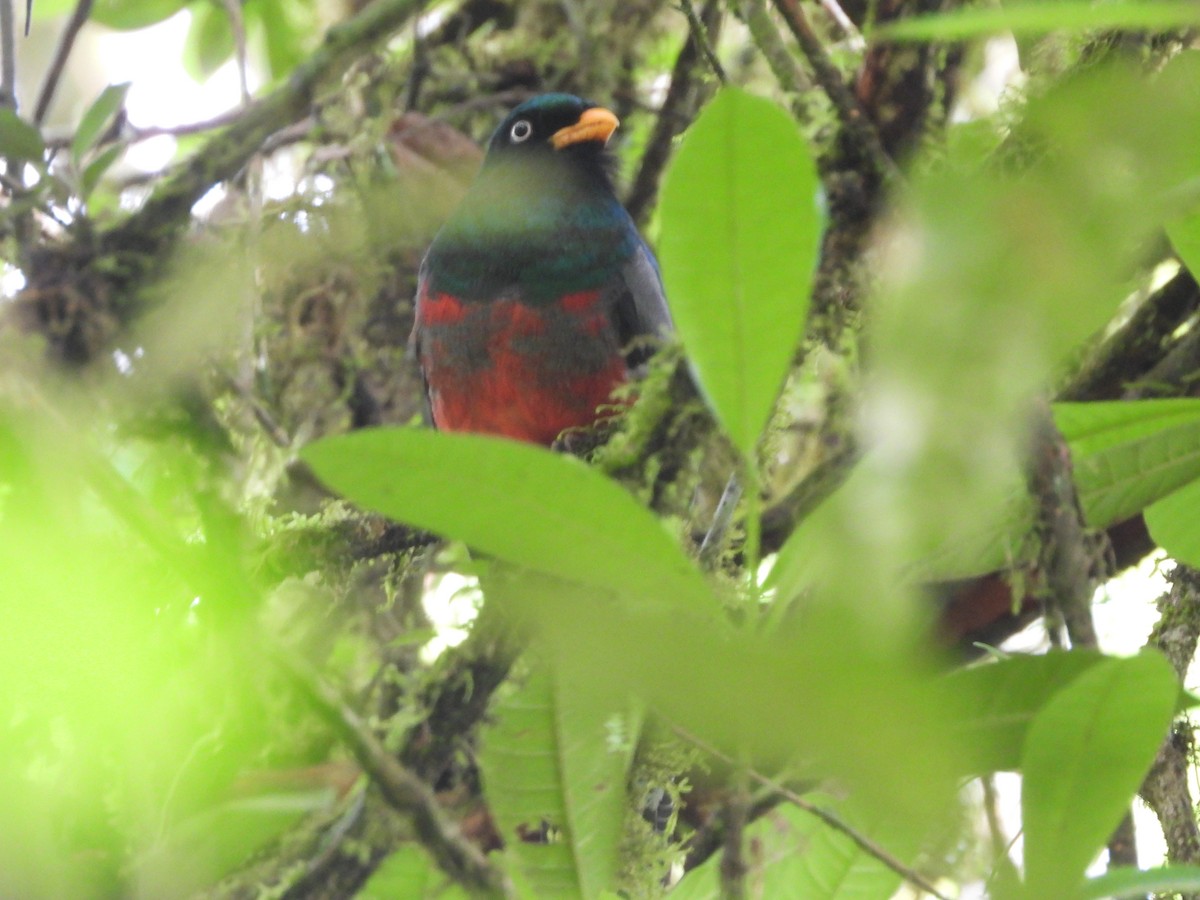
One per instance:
(1127,455)
(97,119)
(819,688)
(1185,238)
(409,873)
(18,138)
(998,700)
(541,510)
(1174,525)
(1125,882)
(548,768)
(740,232)
(1085,756)
(1040,17)
(128,15)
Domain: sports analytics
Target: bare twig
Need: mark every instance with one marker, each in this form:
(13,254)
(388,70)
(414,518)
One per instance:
(844,22)
(700,34)
(62,53)
(855,122)
(407,793)
(863,842)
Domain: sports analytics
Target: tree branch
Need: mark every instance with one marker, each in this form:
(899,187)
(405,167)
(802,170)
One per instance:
(856,125)
(141,239)
(1166,789)
(403,789)
(79,17)
(678,108)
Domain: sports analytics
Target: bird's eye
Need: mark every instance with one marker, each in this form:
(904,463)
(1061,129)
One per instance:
(520,131)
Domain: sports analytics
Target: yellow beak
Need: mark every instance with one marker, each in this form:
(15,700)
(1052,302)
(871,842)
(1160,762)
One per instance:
(596,124)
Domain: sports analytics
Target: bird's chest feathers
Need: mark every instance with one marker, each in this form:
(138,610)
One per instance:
(525,371)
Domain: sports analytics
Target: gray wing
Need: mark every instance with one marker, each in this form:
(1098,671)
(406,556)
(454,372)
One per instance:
(641,310)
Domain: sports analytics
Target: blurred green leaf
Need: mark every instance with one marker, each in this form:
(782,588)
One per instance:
(1085,755)
(796,855)
(95,170)
(541,510)
(740,233)
(1185,238)
(1127,882)
(18,138)
(1000,699)
(1174,525)
(410,873)
(97,119)
(209,41)
(288,28)
(127,15)
(1128,455)
(548,768)
(1040,17)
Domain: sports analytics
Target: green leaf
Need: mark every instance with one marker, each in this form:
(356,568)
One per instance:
(1085,755)
(97,119)
(128,15)
(285,23)
(97,167)
(547,767)
(1117,883)
(1000,699)
(1174,526)
(541,510)
(1185,238)
(740,233)
(19,139)
(1127,456)
(797,855)
(1041,17)
(209,41)
(409,872)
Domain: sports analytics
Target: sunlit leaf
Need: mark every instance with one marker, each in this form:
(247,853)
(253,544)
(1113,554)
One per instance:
(1185,238)
(549,770)
(1127,455)
(97,119)
(740,230)
(18,138)
(1174,525)
(1128,882)
(1040,17)
(544,511)
(409,872)
(209,41)
(1000,699)
(1085,756)
(127,15)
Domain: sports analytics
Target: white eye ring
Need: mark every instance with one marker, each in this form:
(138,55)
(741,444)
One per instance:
(520,131)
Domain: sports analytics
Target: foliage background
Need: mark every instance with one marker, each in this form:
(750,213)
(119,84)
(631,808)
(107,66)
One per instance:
(947,347)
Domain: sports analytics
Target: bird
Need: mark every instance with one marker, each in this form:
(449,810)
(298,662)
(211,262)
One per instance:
(533,295)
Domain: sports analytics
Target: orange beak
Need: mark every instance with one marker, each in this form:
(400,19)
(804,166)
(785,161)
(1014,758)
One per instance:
(596,124)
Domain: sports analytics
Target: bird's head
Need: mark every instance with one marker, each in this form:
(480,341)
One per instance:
(554,131)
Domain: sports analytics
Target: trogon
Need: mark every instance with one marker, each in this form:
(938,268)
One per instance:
(531,296)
